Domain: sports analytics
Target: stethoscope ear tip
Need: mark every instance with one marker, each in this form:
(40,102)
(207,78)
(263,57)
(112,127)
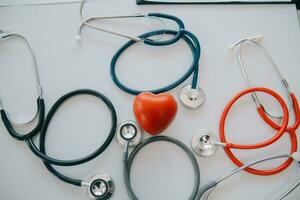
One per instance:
(78,38)
(256,38)
(259,38)
(231,47)
(4,34)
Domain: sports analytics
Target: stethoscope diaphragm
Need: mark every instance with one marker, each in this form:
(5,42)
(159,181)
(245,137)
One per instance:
(205,144)
(100,187)
(129,131)
(192,97)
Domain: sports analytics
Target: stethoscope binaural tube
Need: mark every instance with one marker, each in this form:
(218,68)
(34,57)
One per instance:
(291,128)
(180,32)
(229,146)
(40,101)
(188,37)
(292,97)
(261,144)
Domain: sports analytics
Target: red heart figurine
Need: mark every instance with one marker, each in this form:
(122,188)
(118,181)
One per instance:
(154,113)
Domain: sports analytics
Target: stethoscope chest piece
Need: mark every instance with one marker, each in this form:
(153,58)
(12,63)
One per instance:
(192,98)
(129,131)
(204,144)
(101,187)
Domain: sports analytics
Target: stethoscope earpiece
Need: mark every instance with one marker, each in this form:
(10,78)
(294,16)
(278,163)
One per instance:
(205,144)
(255,39)
(129,131)
(100,187)
(192,97)
(78,38)
(5,34)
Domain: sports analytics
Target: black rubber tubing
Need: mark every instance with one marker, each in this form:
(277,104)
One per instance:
(33,132)
(41,152)
(194,46)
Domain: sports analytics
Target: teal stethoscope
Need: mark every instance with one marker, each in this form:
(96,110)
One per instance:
(190,95)
(100,186)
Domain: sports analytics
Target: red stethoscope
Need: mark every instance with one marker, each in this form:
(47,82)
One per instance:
(206,144)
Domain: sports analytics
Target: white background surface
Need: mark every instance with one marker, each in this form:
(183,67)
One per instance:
(15,2)
(160,171)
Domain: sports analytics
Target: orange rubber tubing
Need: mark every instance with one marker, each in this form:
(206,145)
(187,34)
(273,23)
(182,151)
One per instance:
(267,172)
(280,132)
(296,113)
(260,109)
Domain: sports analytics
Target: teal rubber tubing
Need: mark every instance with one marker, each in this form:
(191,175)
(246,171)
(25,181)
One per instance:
(192,42)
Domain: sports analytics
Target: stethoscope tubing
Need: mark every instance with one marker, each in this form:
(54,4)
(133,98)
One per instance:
(265,114)
(188,37)
(180,32)
(41,152)
(214,183)
(40,101)
(291,128)
(34,131)
(127,162)
(181,27)
(260,144)
(267,172)
(281,131)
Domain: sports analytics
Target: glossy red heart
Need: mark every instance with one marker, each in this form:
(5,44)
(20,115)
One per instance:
(154,113)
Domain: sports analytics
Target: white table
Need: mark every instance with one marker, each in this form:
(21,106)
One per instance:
(160,171)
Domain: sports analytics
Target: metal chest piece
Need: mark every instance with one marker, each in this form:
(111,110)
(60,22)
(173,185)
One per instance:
(204,144)
(192,98)
(129,131)
(101,187)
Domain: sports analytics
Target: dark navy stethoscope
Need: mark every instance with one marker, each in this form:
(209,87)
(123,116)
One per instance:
(191,95)
(100,186)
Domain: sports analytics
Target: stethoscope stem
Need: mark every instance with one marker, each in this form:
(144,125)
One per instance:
(125,152)
(221,144)
(255,41)
(249,165)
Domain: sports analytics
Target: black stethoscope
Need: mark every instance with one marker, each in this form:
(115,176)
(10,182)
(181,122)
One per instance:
(100,186)
(191,95)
